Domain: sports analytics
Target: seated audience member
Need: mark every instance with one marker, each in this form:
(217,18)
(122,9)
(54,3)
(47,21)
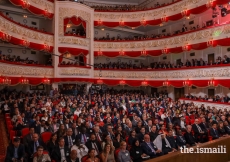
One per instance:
(93,143)
(40,156)
(52,143)
(83,136)
(69,138)
(107,154)
(81,149)
(15,151)
(92,157)
(117,141)
(124,155)
(137,152)
(221,130)
(107,139)
(60,153)
(32,145)
(149,148)
(163,144)
(73,157)
(154,133)
(172,141)
(227,127)
(190,139)
(213,132)
(131,137)
(180,140)
(198,132)
(29,137)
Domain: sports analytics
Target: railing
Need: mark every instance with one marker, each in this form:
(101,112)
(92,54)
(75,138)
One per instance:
(205,72)
(24,64)
(69,39)
(25,70)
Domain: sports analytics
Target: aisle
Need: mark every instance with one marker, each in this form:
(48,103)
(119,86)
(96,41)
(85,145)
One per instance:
(3,138)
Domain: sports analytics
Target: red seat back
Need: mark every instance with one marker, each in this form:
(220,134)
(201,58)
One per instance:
(25,131)
(46,136)
(84,158)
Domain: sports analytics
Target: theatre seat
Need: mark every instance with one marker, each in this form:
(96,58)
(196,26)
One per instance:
(46,136)
(25,131)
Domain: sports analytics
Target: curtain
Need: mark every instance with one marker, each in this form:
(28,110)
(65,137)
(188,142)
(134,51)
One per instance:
(34,10)
(72,51)
(75,20)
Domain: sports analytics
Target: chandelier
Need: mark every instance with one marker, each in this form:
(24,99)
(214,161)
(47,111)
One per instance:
(166,83)
(99,81)
(164,51)
(46,47)
(6,81)
(46,81)
(99,52)
(5,37)
(122,82)
(24,81)
(122,53)
(211,83)
(144,83)
(143,52)
(25,43)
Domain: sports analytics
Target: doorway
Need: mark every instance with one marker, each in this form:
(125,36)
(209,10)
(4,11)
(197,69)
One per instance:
(211,93)
(178,93)
(211,57)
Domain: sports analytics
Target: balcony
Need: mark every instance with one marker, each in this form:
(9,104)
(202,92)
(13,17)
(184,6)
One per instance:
(30,70)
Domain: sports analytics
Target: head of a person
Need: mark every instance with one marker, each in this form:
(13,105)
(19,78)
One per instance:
(73,155)
(35,137)
(69,132)
(109,128)
(170,133)
(214,126)
(53,137)
(136,143)
(107,148)
(31,130)
(142,130)
(91,152)
(154,128)
(147,138)
(92,137)
(189,128)
(123,145)
(61,142)
(133,133)
(16,142)
(40,150)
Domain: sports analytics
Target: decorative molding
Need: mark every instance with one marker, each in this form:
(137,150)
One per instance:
(69,12)
(74,71)
(43,5)
(210,104)
(13,28)
(149,14)
(9,69)
(74,40)
(196,73)
(214,32)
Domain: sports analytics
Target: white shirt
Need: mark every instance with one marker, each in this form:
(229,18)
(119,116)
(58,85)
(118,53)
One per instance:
(182,124)
(62,155)
(80,152)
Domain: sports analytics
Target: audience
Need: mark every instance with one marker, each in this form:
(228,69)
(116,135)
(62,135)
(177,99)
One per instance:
(161,65)
(19,60)
(128,123)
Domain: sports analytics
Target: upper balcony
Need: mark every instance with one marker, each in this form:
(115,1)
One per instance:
(18,34)
(193,40)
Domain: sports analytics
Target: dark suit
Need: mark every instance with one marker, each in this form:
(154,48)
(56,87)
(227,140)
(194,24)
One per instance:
(140,136)
(153,135)
(190,139)
(37,129)
(80,137)
(50,146)
(56,153)
(67,142)
(180,141)
(147,150)
(89,144)
(202,136)
(31,145)
(168,120)
(214,133)
(27,139)
(172,142)
(11,150)
(227,129)
(69,160)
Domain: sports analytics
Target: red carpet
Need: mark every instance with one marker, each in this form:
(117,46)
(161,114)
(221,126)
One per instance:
(3,139)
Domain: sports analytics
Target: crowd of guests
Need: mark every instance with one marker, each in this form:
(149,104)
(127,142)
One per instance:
(19,60)
(184,29)
(110,126)
(129,7)
(162,65)
(80,33)
(217,98)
